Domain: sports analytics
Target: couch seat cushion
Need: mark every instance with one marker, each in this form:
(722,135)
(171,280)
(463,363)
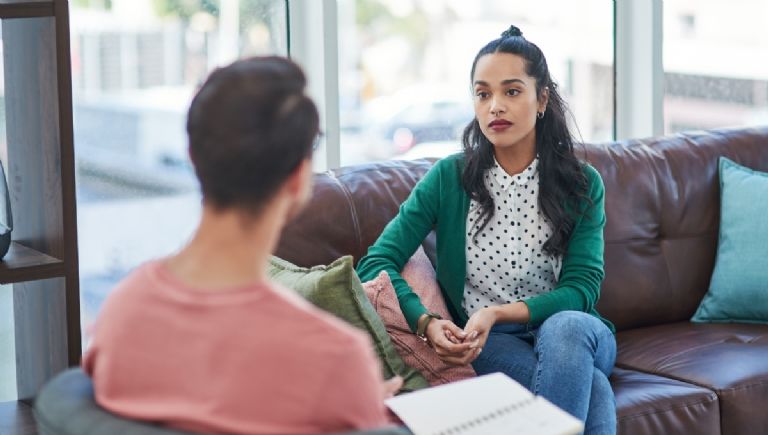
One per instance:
(650,404)
(730,359)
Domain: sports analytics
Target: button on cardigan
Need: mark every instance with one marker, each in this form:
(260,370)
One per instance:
(439,202)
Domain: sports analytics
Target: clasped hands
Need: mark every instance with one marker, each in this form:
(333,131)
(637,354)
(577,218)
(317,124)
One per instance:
(456,346)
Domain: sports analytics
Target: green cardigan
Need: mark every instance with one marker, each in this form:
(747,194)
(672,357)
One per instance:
(439,202)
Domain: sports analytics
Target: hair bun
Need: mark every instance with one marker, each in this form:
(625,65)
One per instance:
(512,31)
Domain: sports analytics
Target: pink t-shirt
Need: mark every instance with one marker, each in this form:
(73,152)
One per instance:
(257,360)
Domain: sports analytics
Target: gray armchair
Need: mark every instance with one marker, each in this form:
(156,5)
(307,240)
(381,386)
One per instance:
(66,406)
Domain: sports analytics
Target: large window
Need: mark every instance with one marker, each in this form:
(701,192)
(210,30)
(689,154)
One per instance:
(404,68)
(716,73)
(135,67)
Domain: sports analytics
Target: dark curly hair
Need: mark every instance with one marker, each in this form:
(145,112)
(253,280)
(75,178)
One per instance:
(563,185)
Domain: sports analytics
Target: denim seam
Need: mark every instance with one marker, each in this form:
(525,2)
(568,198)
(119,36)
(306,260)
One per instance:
(537,375)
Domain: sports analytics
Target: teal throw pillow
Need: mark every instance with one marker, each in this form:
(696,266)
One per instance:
(738,291)
(337,289)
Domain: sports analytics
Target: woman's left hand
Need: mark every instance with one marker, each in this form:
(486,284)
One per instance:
(479,326)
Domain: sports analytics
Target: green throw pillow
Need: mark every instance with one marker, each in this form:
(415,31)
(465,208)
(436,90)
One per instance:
(739,286)
(337,289)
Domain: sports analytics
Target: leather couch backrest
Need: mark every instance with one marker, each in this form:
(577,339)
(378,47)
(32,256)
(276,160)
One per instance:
(348,210)
(662,206)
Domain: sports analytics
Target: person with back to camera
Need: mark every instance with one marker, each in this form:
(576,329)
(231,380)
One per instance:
(519,223)
(202,340)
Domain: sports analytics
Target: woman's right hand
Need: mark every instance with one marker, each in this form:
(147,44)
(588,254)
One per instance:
(458,352)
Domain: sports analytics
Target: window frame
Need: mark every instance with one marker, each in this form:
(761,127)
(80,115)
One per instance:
(638,69)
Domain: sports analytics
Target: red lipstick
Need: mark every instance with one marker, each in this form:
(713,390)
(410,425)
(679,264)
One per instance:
(499,124)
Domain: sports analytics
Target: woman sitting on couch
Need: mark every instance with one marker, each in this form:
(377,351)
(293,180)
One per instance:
(519,222)
(202,340)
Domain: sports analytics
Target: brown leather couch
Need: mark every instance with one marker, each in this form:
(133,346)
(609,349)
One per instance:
(662,204)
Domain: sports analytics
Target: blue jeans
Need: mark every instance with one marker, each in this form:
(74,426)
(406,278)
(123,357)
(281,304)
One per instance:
(567,360)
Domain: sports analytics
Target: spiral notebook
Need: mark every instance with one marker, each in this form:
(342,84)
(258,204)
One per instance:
(485,405)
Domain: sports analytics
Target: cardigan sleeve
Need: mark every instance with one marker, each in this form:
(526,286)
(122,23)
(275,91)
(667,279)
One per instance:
(578,287)
(400,239)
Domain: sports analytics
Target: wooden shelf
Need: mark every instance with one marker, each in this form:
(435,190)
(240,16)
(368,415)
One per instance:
(26,9)
(38,128)
(25,264)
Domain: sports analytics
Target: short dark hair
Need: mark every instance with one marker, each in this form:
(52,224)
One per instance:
(250,126)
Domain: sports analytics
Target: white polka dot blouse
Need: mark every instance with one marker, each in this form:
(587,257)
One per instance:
(505,261)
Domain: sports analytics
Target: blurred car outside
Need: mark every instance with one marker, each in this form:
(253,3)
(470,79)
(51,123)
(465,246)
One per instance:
(393,125)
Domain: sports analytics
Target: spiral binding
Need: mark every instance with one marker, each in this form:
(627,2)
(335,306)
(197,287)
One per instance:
(478,421)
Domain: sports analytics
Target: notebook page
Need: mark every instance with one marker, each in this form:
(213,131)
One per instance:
(484,405)
(450,405)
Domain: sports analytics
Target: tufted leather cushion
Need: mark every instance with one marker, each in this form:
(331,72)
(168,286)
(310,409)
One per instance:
(649,405)
(729,359)
(348,210)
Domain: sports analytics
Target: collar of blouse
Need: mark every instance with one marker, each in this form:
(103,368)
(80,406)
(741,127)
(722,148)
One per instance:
(504,180)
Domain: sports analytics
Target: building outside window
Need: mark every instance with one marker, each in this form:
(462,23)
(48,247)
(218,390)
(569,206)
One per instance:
(716,72)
